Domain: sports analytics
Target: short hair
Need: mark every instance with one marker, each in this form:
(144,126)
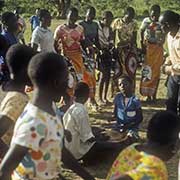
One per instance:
(81,90)
(130,10)
(108,14)
(162,127)
(6,17)
(127,78)
(74,11)
(170,17)
(155,8)
(18,57)
(91,9)
(45,67)
(43,13)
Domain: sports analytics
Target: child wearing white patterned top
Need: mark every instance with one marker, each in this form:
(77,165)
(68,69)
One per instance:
(37,145)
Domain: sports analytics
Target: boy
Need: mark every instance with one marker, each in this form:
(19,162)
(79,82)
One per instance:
(42,37)
(84,145)
(37,144)
(17,58)
(34,20)
(127,108)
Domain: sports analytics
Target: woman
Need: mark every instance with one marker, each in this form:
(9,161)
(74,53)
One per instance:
(69,38)
(152,40)
(146,161)
(125,39)
(91,36)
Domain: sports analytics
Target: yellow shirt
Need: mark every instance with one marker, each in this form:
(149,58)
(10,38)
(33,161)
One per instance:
(138,165)
(12,106)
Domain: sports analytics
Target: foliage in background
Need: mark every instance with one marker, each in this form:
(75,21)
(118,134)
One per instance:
(116,6)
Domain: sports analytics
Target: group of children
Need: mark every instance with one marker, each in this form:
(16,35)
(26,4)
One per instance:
(43,138)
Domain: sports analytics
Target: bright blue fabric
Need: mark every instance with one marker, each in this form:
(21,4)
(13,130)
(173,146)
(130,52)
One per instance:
(126,114)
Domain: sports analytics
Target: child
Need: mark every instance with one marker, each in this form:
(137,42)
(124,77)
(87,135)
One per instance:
(17,58)
(105,58)
(34,20)
(42,37)
(21,26)
(84,145)
(37,144)
(127,108)
(10,27)
(146,161)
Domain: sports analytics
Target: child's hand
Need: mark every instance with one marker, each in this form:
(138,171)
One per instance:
(68,135)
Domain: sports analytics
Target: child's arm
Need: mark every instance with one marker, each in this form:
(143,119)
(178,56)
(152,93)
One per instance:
(72,163)
(11,160)
(5,122)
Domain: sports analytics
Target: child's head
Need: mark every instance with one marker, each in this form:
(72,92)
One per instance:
(18,57)
(163,130)
(49,75)
(81,92)
(9,21)
(125,84)
(91,13)
(107,18)
(129,14)
(72,15)
(169,21)
(45,17)
(155,12)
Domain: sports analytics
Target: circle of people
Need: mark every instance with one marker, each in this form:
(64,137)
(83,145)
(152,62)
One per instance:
(37,136)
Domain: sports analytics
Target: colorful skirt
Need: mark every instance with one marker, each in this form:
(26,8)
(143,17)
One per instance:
(151,70)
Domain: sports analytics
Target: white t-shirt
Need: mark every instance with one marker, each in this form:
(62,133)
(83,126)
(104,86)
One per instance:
(76,120)
(44,39)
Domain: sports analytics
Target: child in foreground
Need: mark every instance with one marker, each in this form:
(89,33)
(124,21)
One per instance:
(127,108)
(36,150)
(146,161)
(17,59)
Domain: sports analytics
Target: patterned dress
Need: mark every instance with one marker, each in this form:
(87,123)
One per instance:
(43,135)
(138,165)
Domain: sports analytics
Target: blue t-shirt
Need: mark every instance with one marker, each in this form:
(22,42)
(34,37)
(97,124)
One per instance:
(126,113)
(34,20)
(10,38)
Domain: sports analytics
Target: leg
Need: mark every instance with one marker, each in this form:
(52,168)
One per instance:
(101,86)
(107,79)
(173,91)
(99,151)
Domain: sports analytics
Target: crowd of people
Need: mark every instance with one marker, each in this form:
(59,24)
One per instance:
(44,121)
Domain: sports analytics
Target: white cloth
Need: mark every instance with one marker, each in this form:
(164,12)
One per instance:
(44,39)
(76,120)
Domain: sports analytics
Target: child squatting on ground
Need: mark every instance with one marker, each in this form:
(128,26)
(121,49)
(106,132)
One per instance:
(127,108)
(84,145)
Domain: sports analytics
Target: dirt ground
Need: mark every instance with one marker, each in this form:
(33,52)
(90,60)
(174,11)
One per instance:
(100,120)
